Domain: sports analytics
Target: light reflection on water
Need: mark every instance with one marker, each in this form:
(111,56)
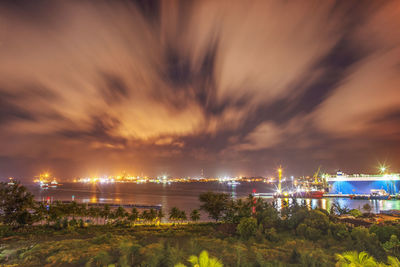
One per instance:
(183,195)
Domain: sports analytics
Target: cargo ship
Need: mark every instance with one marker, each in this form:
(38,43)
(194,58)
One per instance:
(45,181)
(364,184)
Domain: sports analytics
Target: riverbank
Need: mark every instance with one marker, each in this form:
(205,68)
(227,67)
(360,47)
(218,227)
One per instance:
(244,232)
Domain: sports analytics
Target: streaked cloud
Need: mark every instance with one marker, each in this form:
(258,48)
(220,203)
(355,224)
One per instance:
(145,83)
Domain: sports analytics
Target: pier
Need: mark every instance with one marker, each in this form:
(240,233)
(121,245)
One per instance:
(111,205)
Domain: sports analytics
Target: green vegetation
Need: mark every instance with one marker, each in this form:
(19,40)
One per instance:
(202,261)
(246,232)
(353,258)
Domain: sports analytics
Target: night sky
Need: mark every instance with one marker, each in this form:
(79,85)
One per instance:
(173,87)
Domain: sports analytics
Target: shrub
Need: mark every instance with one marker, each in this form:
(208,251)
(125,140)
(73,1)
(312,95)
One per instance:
(247,227)
(364,240)
(367,208)
(313,233)
(356,213)
(301,229)
(384,232)
(271,235)
(295,256)
(318,220)
(339,231)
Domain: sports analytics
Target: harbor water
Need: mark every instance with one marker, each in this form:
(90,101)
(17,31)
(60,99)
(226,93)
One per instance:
(181,195)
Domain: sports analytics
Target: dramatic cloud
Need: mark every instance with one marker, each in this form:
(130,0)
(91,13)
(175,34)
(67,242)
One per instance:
(176,86)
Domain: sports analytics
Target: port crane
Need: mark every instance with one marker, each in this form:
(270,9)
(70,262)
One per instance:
(316,175)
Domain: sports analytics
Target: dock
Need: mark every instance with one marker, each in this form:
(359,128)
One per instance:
(351,196)
(112,205)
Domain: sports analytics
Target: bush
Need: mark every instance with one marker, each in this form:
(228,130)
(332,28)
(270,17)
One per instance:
(318,220)
(356,213)
(272,235)
(366,241)
(295,256)
(384,232)
(247,228)
(313,233)
(339,231)
(301,229)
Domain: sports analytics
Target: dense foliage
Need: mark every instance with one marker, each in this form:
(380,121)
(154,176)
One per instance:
(249,232)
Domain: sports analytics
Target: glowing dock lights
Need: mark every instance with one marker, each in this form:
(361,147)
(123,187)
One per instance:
(280,179)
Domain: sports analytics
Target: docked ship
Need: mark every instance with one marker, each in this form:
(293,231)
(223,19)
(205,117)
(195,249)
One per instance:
(11,181)
(363,184)
(45,181)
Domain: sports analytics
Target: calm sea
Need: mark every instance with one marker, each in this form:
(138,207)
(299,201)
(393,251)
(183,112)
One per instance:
(181,195)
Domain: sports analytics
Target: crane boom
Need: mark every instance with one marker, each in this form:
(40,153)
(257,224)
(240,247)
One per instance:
(316,174)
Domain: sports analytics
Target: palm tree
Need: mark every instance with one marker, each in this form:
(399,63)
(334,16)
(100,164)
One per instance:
(106,212)
(93,213)
(182,215)
(56,212)
(195,215)
(202,261)
(120,213)
(160,214)
(147,216)
(152,215)
(355,259)
(134,215)
(41,212)
(174,214)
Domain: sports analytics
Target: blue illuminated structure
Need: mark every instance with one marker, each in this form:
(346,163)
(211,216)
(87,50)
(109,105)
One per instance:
(362,184)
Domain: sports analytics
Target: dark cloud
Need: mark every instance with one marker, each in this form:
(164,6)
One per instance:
(114,89)
(234,87)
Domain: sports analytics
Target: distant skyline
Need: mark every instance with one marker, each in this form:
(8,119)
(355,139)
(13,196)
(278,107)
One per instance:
(173,87)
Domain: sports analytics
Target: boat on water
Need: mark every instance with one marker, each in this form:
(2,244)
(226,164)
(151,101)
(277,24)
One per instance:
(11,181)
(54,183)
(379,194)
(375,194)
(233,183)
(46,181)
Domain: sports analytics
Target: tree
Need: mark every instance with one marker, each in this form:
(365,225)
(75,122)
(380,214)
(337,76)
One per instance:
(120,213)
(145,216)
(41,212)
(182,216)
(134,215)
(94,213)
(106,212)
(160,214)
(353,258)
(176,214)
(152,215)
(393,245)
(247,227)
(215,204)
(367,207)
(355,212)
(202,261)
(73,209)
(56,211)
(15,205)
(195,215)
